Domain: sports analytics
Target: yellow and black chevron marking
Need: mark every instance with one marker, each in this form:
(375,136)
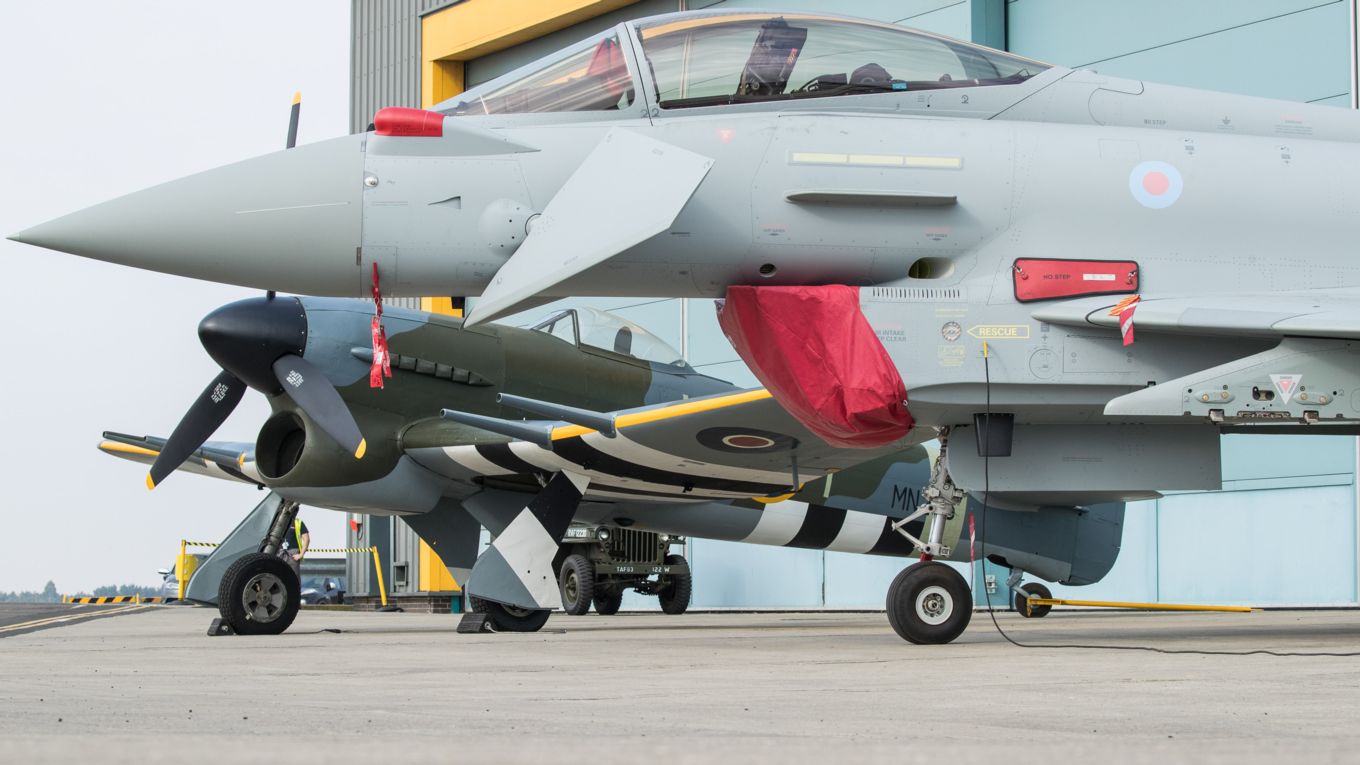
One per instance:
(109,599)
(310,550)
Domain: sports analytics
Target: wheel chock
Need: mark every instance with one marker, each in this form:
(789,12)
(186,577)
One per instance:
(218,628)
(472,623)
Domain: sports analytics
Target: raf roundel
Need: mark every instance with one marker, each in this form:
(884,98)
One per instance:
(1155,184)
(749,440)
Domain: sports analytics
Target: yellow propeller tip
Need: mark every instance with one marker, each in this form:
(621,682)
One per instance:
(150,482)
(363,447)
(297,96)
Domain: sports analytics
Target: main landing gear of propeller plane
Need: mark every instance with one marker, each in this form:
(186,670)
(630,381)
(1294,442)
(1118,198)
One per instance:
(929,602)
(260,593)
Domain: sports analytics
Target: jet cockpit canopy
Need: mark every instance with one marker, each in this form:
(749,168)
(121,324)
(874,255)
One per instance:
(591,75)
(724,58)
(709,58)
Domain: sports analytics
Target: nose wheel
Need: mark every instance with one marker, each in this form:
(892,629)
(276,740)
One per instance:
(929,603)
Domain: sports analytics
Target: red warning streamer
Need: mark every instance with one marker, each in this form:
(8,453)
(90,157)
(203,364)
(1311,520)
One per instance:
(382,363)
(1124,310)
(972,540)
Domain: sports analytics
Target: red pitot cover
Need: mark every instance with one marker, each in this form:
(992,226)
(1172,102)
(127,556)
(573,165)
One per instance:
(816,353)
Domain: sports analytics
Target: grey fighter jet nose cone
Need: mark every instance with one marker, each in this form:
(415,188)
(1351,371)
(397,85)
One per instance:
(289,220)
(248,336)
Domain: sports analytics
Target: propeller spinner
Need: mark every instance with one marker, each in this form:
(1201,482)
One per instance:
(259,344)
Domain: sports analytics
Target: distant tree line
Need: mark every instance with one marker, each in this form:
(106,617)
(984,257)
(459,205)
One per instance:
(50,594)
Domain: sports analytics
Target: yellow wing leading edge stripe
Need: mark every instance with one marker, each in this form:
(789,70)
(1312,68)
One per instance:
(114,446)
(667,412)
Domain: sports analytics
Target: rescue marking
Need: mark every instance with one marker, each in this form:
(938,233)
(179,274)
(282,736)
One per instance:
(1000,331)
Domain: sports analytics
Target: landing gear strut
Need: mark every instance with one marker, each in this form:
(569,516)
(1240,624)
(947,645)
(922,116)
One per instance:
(929,602)
(260,593)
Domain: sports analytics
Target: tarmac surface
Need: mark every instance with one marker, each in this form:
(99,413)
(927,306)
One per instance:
(150,686)
(19,618)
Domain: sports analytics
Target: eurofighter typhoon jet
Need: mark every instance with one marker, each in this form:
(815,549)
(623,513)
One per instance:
(912,237)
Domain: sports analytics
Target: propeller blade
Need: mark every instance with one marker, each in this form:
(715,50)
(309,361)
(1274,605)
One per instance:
(315,395)
(293,120)
(207,413)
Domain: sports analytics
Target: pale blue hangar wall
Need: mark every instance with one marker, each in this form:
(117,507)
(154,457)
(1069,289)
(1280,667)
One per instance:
(1283,530)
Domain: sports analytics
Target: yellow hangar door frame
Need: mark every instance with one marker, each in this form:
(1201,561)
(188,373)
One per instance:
(433,575)
(451,36)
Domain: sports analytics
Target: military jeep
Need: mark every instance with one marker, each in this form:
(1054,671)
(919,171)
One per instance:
(597,563)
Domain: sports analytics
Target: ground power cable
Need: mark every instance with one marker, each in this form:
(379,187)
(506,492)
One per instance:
(986,496)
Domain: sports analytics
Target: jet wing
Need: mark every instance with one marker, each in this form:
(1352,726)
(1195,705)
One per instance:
(1313,313)
(1295,385)
(228,460)
(725,446)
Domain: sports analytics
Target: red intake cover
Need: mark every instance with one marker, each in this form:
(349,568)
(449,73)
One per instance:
(1048,279)
(402,121)
(817,355)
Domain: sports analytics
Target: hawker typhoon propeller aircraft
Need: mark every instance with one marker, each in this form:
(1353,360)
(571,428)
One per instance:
(679,453)
(912,237)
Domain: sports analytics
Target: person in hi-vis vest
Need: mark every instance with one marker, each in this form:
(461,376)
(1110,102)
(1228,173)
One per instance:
(296,542)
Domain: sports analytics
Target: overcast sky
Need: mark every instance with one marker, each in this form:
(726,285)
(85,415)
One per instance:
(99,99)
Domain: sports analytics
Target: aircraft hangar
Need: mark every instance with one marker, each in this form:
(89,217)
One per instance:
(1185,547)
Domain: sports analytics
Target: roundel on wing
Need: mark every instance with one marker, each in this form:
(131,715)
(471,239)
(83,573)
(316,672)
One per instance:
(1155,184)
(745,440)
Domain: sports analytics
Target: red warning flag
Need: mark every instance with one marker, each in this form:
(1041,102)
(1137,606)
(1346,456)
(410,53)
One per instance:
(382,362)
(1124,310)
(972,540)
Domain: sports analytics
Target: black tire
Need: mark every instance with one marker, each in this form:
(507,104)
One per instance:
(929,604)
(675,595)
(608,600)
(505,618)
(1035,590)
(259,595)
(576,582)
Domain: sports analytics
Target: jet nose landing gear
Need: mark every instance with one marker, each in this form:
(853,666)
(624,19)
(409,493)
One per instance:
(930,602)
